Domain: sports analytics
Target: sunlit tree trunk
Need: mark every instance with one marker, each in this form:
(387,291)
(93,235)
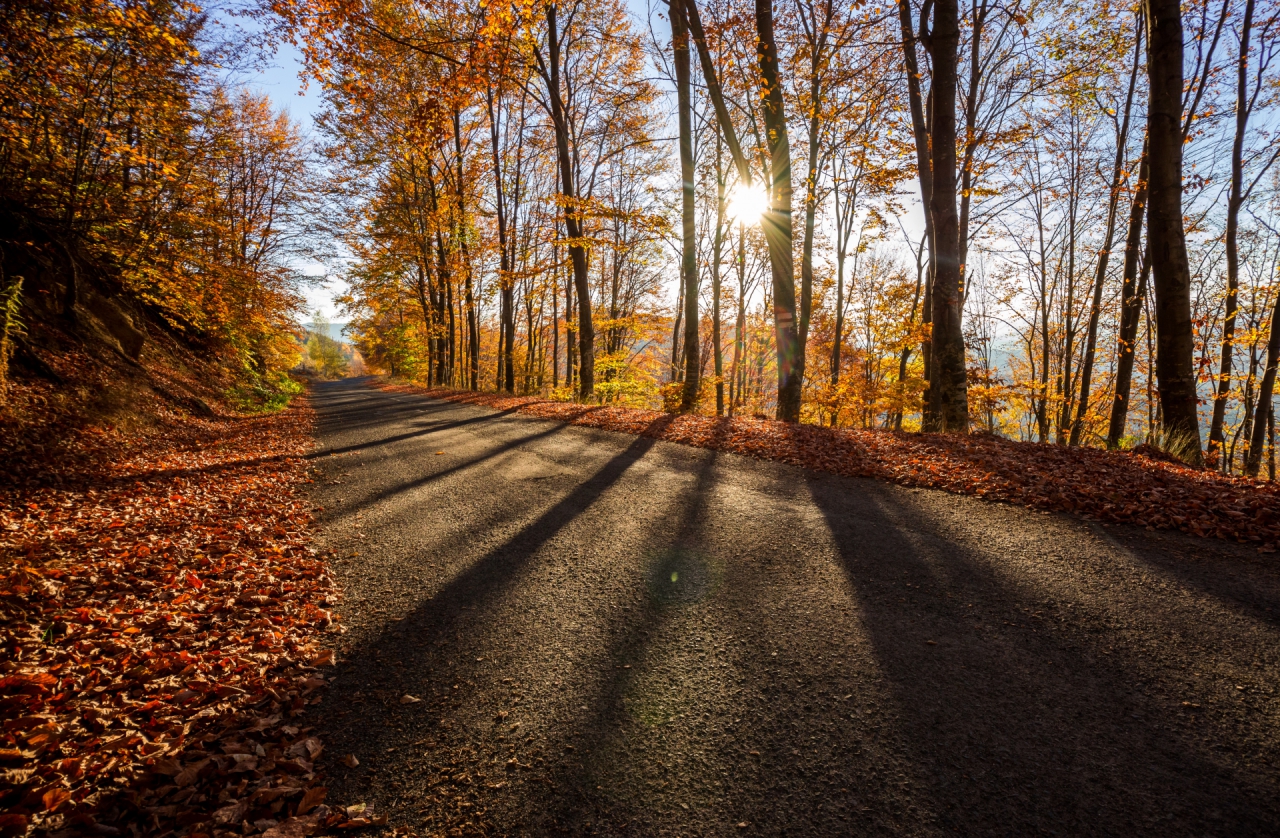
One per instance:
(778,221)
(688,250)
(716,261)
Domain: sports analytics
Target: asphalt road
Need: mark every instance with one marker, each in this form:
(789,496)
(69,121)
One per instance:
(556,630)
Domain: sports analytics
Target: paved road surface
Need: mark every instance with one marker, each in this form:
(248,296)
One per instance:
(610,635)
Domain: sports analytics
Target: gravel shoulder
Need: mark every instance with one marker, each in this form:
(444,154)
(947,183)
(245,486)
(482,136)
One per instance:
(611,635)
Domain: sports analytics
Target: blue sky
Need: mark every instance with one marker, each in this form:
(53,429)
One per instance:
(280,81)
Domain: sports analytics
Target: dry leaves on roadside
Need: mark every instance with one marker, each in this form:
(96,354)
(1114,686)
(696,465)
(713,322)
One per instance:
(1107,485)
(160,612)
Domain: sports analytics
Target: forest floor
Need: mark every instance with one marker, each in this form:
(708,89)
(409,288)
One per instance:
(162,618)
(557,629)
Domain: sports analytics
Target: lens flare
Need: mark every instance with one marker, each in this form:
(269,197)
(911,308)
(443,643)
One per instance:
(748,203)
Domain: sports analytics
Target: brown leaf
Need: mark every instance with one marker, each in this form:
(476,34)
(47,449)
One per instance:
(188,775)
(313,798)
(293,828)
(231,815)
(55,797)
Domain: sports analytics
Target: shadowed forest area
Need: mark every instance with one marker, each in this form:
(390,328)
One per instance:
(791,417)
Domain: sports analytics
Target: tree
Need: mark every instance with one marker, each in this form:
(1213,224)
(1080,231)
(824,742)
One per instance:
(948,398)
(688,247)
(1104,254)
(1171,271)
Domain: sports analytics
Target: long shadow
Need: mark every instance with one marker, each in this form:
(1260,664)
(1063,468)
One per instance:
(426,479)
(571,801)
(1234,575)
(422,430)
(431,621)
(1041,725)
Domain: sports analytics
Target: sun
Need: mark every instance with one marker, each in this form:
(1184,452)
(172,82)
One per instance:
(748,203)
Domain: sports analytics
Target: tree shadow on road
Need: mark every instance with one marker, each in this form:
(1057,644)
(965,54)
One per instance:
(1043,719)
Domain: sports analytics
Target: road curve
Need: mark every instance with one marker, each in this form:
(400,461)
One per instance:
(554,630)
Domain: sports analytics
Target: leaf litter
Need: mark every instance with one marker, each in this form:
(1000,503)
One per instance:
(162,614)
(1112,486)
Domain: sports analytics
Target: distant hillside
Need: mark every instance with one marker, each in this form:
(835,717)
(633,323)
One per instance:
(337,331)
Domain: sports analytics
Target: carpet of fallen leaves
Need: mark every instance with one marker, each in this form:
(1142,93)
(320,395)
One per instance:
(161,615)
(1111,486)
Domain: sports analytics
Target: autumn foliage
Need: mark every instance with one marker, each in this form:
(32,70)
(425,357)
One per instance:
(135,187)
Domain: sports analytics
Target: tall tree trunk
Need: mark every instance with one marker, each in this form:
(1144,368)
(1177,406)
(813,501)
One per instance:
(816,62)
(777,221)
(505,315)
(1132,293)
(572,213)
(1175,340)
(838,338)
(739,334)
(473,325)
(570,343)
(688,251)
(1070,323)
(948,389)
(1104,255)
(716,260)
(924,168)
(1236,199)
(555,320)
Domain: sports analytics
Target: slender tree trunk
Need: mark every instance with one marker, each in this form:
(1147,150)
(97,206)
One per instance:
(739,335)
(838,338)
(1068,351)
(505,315)
(572,213)
(1234,202)
(473,326)
(1266,389)
(1131,296)
(555,322)
(688,252)
(905,357)
(716,259)
(1175,371)
(948,390)
(570,343)
(811,182)
(1104,255)
(677,371)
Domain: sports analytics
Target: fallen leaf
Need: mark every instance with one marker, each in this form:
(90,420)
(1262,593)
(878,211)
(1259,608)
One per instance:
(313,798)
(293,828)
(55,797)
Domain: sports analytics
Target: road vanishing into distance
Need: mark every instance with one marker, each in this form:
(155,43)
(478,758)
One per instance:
(554,630)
